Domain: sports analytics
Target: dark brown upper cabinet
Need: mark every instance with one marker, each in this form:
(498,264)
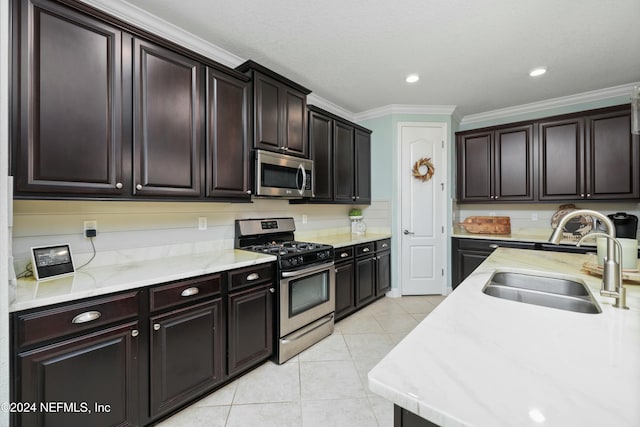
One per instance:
(167,133)
(228,151)
(321,152)
(279,111)
(68,103)
(106,110)
(496,165)
(341,154)
(589,157)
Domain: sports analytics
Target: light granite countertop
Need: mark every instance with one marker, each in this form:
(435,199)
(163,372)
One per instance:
(89,282)
(477,360)
(537,235)
(347,239)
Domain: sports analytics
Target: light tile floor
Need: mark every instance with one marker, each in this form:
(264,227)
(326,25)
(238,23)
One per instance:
(326,385)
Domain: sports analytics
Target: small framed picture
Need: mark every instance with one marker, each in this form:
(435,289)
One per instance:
(52,262)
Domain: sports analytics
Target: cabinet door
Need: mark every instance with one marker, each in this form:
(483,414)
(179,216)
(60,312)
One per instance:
(321,150)
(363,167)
(365,280)
(227,136)
(562,160)
(186,356)
(250,328)
(295,122)
(167,122)
(612,157)
(343,163)
(474,167)
(383,272)
(513,160)
(95,369)
(68,80)
(345,298)
(267,115)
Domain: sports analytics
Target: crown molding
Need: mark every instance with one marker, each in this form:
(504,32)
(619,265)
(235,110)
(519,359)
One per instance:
(594,95)
(134,15)
(318,101)
(441,110)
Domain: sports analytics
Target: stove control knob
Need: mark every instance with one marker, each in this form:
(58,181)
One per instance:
(300,259)
(293,261)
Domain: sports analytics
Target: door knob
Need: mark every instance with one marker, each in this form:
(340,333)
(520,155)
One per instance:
(406,232)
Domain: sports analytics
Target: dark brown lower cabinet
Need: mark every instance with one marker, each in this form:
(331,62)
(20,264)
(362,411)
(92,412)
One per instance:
(365,280)
(404,418)
(68,390)
(383,272)
(345,299)
(250,327)
(186,354)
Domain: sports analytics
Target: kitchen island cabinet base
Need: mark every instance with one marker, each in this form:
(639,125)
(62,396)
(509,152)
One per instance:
(404,418)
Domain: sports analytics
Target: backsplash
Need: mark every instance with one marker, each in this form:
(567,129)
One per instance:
(159,229)
(535,216)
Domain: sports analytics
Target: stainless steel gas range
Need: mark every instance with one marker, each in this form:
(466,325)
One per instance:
(306,292)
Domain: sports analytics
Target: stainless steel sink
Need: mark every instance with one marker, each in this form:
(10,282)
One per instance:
(553,291)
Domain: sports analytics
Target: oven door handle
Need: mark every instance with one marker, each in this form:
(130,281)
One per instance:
(306,271)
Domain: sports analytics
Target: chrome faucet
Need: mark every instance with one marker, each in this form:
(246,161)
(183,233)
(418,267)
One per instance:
(612,274)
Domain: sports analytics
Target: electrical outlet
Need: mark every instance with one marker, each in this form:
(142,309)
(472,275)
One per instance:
(304,219)
(202,223)
(534,216)
(90,225)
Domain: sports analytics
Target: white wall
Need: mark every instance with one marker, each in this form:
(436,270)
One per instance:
(5,205)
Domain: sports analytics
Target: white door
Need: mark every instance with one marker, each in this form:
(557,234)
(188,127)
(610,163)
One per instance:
(423,206)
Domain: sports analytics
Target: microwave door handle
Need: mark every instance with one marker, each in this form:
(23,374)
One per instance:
(304,178)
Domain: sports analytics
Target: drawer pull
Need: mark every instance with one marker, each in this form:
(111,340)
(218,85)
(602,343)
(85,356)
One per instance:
(344,254)
(365,250)
(190,292)
(494,246)
(134,333)
(156,326)
(384,245)
(87,316)
(253,276)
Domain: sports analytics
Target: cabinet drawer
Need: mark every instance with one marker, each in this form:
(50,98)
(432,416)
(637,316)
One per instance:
(57,322)
(176,293)
(343,254)
(383,245)
(250,275)
(365,249)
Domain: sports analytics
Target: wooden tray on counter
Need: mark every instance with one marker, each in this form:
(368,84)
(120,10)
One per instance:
(487,224)
(628,276)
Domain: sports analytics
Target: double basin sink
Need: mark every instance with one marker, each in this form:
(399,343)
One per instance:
(553,291)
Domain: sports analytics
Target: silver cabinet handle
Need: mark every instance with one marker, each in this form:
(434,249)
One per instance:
(384,245)
(344,254)
(248,191)
(407,232)
(365,250)
(253,276)
(494,246)
(119,185)
(134,333)
(272,290)
(139,187)
(156,326)
(190,292)
(87,316)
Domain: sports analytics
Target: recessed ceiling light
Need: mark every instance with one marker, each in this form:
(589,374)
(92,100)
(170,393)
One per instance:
(412,78)
(537,71)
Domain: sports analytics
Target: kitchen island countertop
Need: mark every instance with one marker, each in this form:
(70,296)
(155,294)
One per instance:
(477,360)
(89,282)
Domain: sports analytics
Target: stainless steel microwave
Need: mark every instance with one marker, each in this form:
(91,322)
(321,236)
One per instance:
(280,175)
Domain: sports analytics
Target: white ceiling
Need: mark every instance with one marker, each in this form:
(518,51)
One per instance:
(474,54)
